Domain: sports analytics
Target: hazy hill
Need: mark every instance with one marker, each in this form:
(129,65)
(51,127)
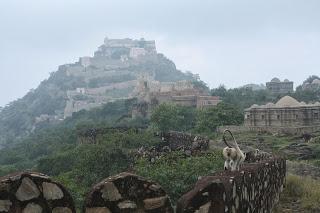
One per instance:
(254,87)
(111,74)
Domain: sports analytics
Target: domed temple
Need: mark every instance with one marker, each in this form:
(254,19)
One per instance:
(280,87)
(287,115)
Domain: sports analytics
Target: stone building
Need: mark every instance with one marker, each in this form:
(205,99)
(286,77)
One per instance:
(135,52)
(196,101)
(280,87)
(114,48)
(85,61)
(183,93)
(286,116)
(207,101)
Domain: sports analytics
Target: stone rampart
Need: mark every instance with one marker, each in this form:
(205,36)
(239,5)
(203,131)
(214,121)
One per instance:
(255,188)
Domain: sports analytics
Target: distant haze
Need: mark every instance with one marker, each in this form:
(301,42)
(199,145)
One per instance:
(227,42)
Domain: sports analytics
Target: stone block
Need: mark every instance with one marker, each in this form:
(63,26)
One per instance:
(32,208)
(98,210)
(51,191)
(61,210)
(27,190)
(110,192)
(155,203)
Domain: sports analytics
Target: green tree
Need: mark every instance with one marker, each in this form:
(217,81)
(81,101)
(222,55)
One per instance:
(243,98)
(223,114)
(172,117)
(311,78)
(307,95)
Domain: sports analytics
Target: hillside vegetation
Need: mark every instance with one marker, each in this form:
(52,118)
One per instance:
(243,98)
(18,118)
(54,146)
(56,150)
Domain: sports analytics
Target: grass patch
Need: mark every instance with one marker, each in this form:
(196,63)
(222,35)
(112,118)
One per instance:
(264,141)
(305,189)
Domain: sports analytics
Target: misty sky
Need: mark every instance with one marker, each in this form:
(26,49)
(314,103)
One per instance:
(226,42)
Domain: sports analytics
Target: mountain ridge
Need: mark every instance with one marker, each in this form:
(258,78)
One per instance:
(111,74)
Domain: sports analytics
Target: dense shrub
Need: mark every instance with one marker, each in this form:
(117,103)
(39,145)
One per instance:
(177,173)
(172,117)
(223,114)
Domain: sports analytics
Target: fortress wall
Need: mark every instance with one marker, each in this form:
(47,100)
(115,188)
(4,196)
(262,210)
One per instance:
(255,188)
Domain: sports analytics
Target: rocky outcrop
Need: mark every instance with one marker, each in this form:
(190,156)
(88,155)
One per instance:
(29,192)
(190,145)
(127,193)
(180,140)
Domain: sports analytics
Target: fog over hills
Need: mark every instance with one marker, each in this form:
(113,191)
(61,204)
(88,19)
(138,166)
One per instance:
(125,105)
(112,73)
(226,42)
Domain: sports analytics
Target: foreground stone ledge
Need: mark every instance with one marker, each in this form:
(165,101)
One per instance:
(31,192)
(127,193)
(255,188)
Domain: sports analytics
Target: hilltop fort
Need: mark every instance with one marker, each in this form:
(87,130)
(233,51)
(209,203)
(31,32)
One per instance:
(124,68)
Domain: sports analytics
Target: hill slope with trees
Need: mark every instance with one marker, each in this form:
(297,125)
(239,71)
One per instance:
(19,118)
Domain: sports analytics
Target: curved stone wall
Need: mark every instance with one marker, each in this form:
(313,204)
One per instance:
(30,192)
(127,193)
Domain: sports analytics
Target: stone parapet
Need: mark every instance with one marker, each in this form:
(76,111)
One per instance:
(255,188)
